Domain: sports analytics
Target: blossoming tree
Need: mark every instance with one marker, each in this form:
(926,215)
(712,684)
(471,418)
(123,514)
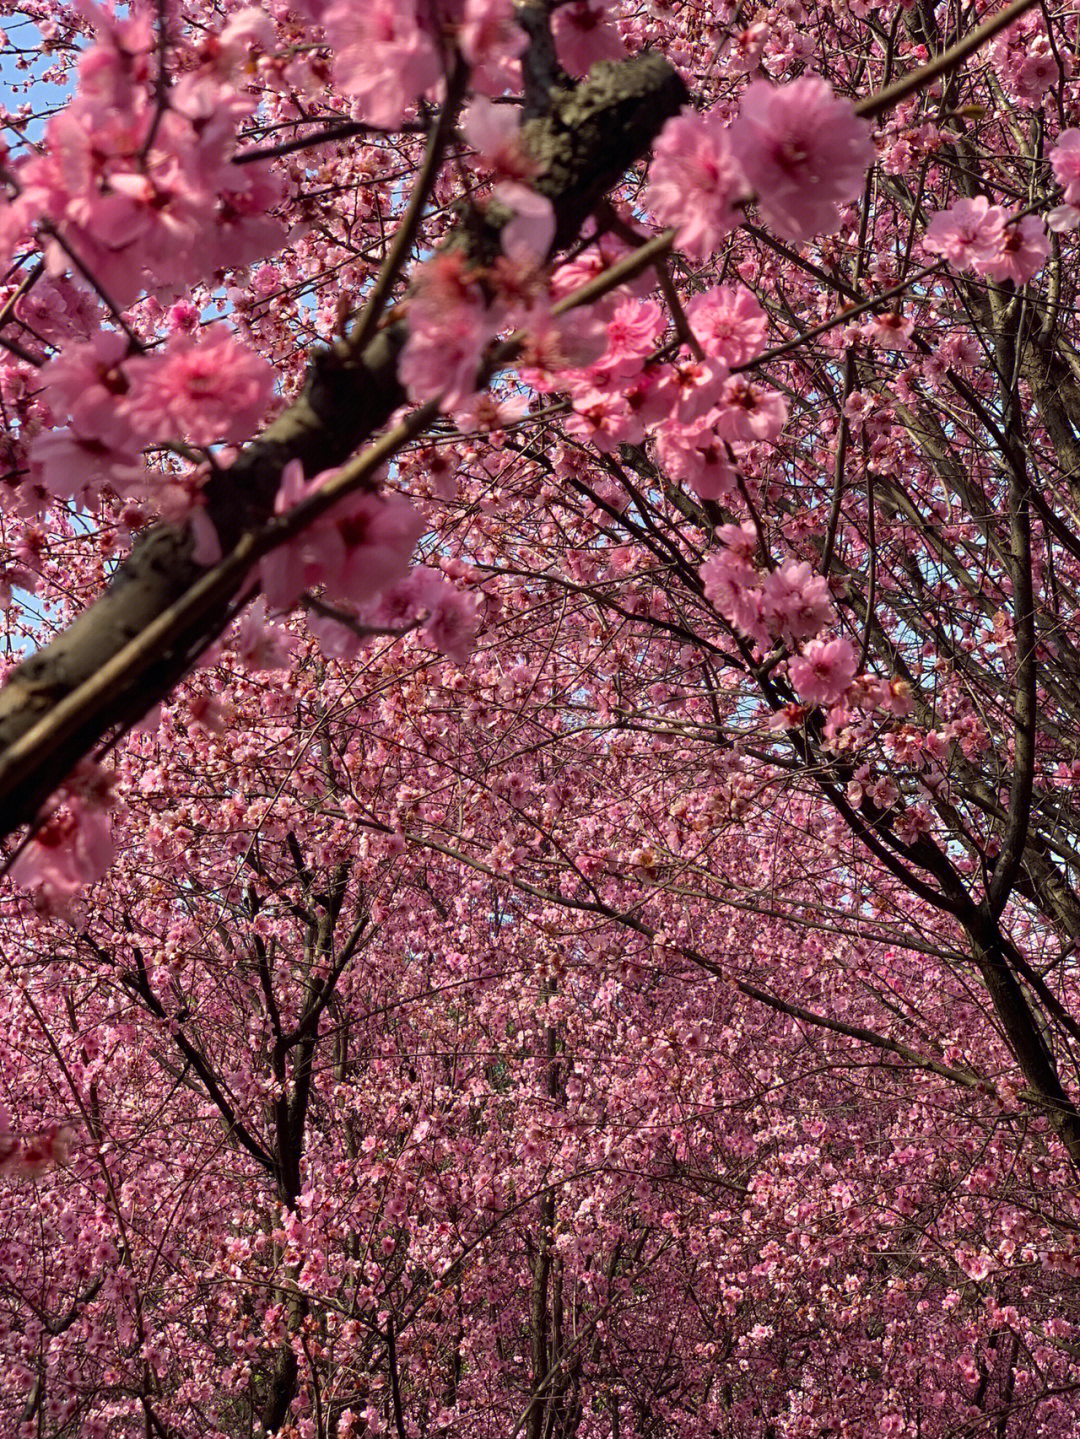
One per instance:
(536,747)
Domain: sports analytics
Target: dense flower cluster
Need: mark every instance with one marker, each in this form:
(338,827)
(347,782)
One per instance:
(566,921)
(797,149)
(975,235)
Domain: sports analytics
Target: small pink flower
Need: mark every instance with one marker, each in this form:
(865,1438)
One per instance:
(584,35)
(1063,218)
(1023,252)
(746,411)
(382,56)
(695,182)
(824,670)
(804,152)
(71,467)
(728,323)
(448,616)
(913,823)
(361,547)
(633,330)
(202,390)
(493,132)
(688,389)
(28,1157)
(796,602)
(527,237)
(85,384)
(967,234)
(71,850)
(602,418)
(491,40)
(1029,73)
(696,456)
(1065,163)
(892,331)
(263,646)
(452,619)
(975,1265)
(449,330)
(731,583)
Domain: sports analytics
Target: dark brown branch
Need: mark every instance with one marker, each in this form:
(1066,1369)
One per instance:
(588,141)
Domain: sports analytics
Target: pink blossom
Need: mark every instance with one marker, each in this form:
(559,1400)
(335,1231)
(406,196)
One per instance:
(858,407)
(451,618)
(745,411)
(912,823)
(554,344)
(382,56)
(688,389)
(1063,218)
(740,540)
(695,181)
(451,626)
(72,849)
(526,237)
(449,330)
(967,234)
(796,602)
(728,323)
(441,360)
(731,584)
(696,456)
(27,1157)
(55,308)
(1022,253)
(246,32)
(804,152)
(975,1265)
(602,418)
(892,331)
(584,35)
(361,547)
(146,202)
(1027,66)
(202,389)
(823,671)
(263,646)
(85,384)
(633,331)
(1065,163)
(69,466)
(607,251)
(745,48)
(974,235)
(493,131)
(485,411)
(491,40)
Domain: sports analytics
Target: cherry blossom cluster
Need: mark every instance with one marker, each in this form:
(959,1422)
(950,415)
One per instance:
(797,149)
(110,405)
(136,188)
(790,605)
(978,236)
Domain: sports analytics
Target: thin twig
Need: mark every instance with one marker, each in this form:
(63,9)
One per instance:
(26,284)
(343,130)
(405,236)
(943,64)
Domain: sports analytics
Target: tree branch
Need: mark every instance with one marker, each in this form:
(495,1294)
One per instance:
(593,134)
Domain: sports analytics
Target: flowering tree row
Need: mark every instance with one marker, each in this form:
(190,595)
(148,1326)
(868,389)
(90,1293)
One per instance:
(539,720)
